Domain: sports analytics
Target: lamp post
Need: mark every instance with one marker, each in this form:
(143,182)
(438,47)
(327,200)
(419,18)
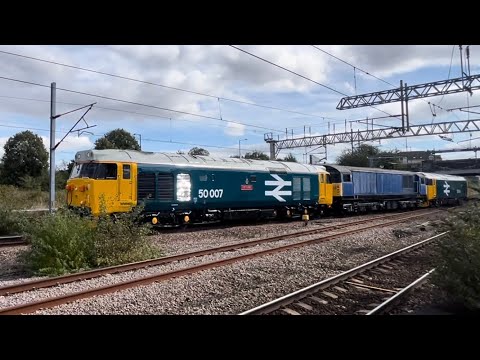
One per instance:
(140,136)
(239,152)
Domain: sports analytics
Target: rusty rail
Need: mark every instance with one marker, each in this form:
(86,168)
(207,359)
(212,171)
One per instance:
(54,281)
(51,302)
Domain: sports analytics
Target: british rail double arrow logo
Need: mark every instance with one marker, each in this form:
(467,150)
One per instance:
(277,193)
(446,188)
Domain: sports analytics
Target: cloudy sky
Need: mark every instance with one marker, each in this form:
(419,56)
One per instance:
(213,84)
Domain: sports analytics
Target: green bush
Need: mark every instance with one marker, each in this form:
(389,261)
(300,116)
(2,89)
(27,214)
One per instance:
(122,239)
(66,242)
(458,270)
(473,187)
(38,183)
(60,243)
(10,223)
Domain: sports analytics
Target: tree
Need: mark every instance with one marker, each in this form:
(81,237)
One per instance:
(25,156)
(359,156)
(368,156)
(256,155)
(62,174)
(198,151)
(117,139)
(70,166)
(290,158)
(387,160)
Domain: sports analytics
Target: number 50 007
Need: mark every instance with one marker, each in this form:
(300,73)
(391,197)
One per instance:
(212,193)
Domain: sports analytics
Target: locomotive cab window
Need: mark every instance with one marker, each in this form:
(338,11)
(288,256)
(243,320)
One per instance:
(429,181)
(126,171)
(335,177)
(110,171)
(347,178)
(306,188)
(99,171)
(407,182)
(297,188)
(75,173)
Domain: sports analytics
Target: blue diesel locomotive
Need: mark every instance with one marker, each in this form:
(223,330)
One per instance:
(360,189)
(177,188)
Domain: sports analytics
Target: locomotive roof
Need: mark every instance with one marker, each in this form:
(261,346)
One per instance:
(442,176)
(349,169)
(143,157)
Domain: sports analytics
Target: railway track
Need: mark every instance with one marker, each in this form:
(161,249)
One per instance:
(389,302)
(353,291)
(50,302)
(54,281)
(14,240)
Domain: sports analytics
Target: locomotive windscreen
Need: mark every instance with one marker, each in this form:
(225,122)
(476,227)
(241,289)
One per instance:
(99,171)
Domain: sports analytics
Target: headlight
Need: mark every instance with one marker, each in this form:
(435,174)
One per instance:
(184,187)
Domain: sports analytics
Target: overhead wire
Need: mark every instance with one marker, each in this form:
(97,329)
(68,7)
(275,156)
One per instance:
(157,84)
(164,109)
(290,71)
(119,110)
(232,147)
(364,71)
(386,82)
(198,93)
(449,69)
(355,67)
(139,104)
(302,76)
(431,104)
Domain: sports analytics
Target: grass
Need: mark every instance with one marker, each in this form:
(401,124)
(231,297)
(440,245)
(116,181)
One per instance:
(14,198)
(458,268)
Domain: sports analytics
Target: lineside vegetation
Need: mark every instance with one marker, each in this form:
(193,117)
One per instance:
(458,269)
(65,242)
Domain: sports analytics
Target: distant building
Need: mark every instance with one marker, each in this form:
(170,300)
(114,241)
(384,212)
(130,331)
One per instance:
(416,157)
(454,167)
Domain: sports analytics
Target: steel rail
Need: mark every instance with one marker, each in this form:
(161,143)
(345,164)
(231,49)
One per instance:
(84,275)
(387,303)
(309,290)
(59,300)
(12,240)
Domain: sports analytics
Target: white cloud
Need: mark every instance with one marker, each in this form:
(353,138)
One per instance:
(349,87)
(75,143)
(220,71)
(388,60)
(234,129)
(3,141)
